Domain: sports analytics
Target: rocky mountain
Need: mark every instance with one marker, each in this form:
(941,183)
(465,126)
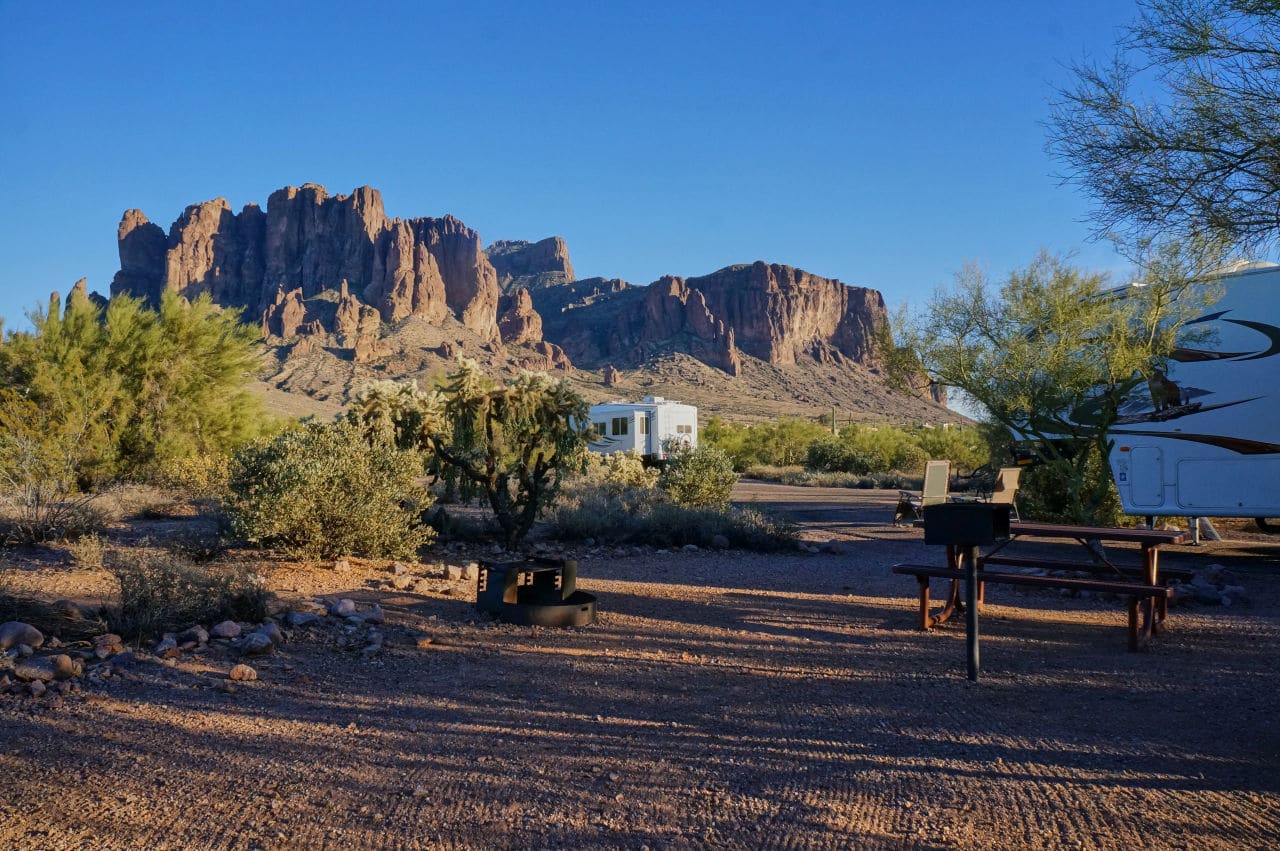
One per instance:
(530,265)
(333,281)
(308,243)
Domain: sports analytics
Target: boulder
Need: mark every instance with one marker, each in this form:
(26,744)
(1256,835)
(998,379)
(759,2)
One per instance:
(47,668)
(255,644)
(226,629)
(196,633)
(14,633)
(296,619)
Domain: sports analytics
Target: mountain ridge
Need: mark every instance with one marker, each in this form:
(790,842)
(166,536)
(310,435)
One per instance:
(333,275)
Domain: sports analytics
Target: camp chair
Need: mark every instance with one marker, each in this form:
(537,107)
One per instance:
(1005,488)
(936,476)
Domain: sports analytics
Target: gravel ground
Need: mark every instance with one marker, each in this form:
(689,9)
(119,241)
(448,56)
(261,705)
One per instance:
(722,700)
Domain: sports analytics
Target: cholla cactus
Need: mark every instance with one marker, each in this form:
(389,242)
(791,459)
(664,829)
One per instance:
(508,442)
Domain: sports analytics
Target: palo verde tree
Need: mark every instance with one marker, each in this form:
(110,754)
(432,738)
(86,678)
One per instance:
(159,383)
(510,442)
(1180,135)
(1054,356)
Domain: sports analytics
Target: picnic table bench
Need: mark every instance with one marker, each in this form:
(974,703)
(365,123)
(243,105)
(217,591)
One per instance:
(1135,591)
(1143,586)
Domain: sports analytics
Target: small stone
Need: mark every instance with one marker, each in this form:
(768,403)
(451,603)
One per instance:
(301,618)
(107,644)
(691,548)
(121,661)
(425,641)
(719,542)
(471,570)
(398,569)
(422,586)
(243,673)
(197,633)
(453,572)
(374,615)
(255,644)
(23,651)
(37,688)
(226,629)
(166,648)
(68,609)
(343,608)
(342,566)
(421,791)
(402,582)
(17,632)
(271,631)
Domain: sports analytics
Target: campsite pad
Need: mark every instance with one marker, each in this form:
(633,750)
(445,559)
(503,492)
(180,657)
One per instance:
(722,700)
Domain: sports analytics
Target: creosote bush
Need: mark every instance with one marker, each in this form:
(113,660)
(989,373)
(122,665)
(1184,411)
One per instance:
(161,591)
(630,515)
(324,491)
(702,477)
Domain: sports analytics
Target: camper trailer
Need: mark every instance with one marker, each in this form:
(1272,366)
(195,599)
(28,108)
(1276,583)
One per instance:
(653,428)
(1205,441)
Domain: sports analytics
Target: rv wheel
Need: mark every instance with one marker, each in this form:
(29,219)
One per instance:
(1268,525)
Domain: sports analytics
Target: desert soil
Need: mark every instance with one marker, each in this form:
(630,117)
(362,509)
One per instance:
(723,700)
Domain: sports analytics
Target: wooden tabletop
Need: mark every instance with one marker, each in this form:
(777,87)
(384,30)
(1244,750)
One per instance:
(1155,537)
(1101,533)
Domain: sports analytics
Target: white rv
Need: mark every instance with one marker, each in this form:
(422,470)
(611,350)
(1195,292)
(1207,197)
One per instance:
(1206,442)
(653,428)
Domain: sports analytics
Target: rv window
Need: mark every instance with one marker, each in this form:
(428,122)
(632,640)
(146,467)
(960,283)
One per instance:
(599,430)
(642,425)
(619,425)
(684,429)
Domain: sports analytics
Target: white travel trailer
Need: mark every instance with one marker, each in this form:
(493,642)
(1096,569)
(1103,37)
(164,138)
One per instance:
(653,428)
(1206,443)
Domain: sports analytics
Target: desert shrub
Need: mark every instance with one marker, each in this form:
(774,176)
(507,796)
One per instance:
(701,477)
(599,510)
(324,491)
(162,591)
(627,470)
(792,475)
(199,475)
(645,516)
(87,551)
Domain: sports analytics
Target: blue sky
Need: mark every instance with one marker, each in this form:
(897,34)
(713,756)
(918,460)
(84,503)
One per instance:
(882,144)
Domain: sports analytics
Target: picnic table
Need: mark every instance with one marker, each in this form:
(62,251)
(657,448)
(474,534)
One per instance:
(1141,583)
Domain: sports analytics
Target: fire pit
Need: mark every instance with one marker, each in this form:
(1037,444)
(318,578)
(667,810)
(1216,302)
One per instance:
(539,591)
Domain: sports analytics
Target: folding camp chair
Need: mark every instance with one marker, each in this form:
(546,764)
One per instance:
(936,476)
(1005,488)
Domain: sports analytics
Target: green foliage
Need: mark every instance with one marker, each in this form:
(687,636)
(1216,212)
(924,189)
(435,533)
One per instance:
(621,470)
(801,477)
(611,515)
(1052,356)
(161,591)
(45,446)
(324,491)
(783,442)
(965,447)
(1177,138)
(701,477)
(133,387)
(511,443)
